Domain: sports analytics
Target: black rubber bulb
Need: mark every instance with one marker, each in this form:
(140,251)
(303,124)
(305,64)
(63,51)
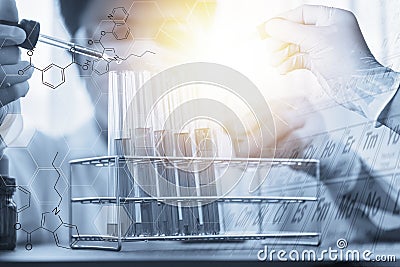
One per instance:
(32,31)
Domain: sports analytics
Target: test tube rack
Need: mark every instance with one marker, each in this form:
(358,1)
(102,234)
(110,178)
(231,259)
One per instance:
(288,184)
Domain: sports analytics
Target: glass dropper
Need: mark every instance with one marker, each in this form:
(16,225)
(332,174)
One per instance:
(33,35)
(74,48)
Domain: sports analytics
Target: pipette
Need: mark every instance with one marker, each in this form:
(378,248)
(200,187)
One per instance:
(33,35)
(74,48)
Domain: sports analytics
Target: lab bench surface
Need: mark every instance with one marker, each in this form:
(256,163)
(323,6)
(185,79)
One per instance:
(164,253)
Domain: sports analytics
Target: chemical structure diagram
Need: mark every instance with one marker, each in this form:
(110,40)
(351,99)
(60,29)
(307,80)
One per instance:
(51,221)
(53,75)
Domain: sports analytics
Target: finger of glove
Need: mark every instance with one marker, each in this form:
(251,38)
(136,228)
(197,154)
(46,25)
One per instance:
(278,57)
(9,11)
(11,35)
(291,32)
(296,62)
(10,55)
(12,93)
(273,44)
(9,74)
(308,14)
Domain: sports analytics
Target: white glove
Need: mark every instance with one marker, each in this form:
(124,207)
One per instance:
(328,41)
(265,137)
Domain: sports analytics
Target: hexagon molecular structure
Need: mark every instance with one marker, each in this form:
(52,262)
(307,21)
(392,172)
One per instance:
(120,47)
(101,67)
(53,76)
(143,29)
(48,186)
(5,185)
(104,26)
(23,139)
(121,31)
(49,156)
(11,128)
(22,198)
(203,11)
(61,235)
(18,155)
(119,15)
(110,53)
(51,221)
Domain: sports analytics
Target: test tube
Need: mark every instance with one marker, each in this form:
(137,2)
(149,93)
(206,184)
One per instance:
(163,217)
(205,148)
(128,136)
(180,182)
(164,147)
(187,185)
(165,125)
(145,182)
(117,108)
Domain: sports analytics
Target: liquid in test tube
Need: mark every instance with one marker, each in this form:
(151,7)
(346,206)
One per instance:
(120,146)
(164,147)
(205,148)
(180,182)
(144,184)
(147,179)
(187,185)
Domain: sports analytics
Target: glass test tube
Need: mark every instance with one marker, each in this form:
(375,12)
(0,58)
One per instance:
(190,213)
(171,217)
(145,183)
(128,136)
(118,105)
(207,183)
(164,147)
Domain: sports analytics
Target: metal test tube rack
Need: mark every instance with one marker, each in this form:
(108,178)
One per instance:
(91,239)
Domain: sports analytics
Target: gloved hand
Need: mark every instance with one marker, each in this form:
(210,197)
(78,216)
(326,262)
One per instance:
(266,137)
(12,85)
(328,41)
